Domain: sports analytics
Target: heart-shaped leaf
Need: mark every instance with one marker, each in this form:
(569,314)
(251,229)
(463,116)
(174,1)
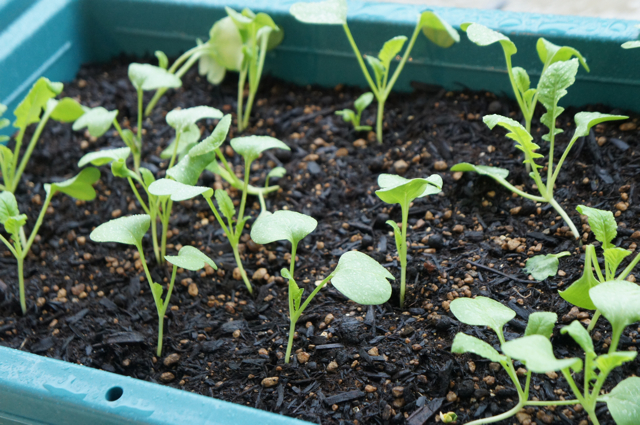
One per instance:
(104,157)
(586,120)
(483,36)
(97,120)
(127,230)
(536,353)
(79,186)
(181,119)
(464,343)
(215,140)
(251,147)
(176,190)
(482,311)
(362,279)
(578,293)
(329,12)
(28,111)
(438,30)
(398,190)
(190,258)
(282,225)
(145,76)
(66,109)
(619,302)
(544,266)
(624,402)
(208,65)
(541,323)
(580,335)
(8,206)
(226,43)
(483,170)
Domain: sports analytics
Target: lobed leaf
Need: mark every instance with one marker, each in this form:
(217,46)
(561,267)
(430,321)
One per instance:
(362,279)
(536,352)
(127,230)
(580,335)
(517,133)
(65,110)
(390,49)
(482,311)
(602,224)
(80,186)
(145,76)
(483,170)
(104,157)
(97,120)
(437,29)
(29,109)
(250,147)
(190,258)
(181,119)
(541,323)
(578,293)
(398,190)
(13,224)
(483,36)
(177,191)
(379,70)
(523,82)
(552,87)
(282,225)
(464,343)
(624,402)
(329,12)
(544,266)
(8,206)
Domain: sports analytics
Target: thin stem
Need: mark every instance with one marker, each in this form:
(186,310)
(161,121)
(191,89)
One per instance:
(292,331)
(576,391)
(254,83)
(561,161)
(175,149)
(9,178)
(162,310)
(164,217)
(518,191)
(219,218)
(313,294)
(118,129)
(506,415)
(39,221)
(32,144)
(596,266)
(402,252)
(243,273)
(365,71)
(623,275)
(514,86)
(241,83)
(243,201)
(380,120)
(23,301)
(138,151)
(154,233)
(615,340)
(552,403)
(405,57)
(11,248)
(556,206)
(138,197)
(292,266)
(263,205)
(594,320)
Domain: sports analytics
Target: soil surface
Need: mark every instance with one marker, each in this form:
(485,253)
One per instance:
(90,304)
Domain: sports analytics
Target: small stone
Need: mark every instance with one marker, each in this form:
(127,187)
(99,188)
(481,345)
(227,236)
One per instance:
(303,357)
(601,140)
(416,347)
(523,416)
(78,289)
(516,210)
(116,213)
(193,289)
(360,143)
(397,391)
(458,228)
(328,318)
(167,377)
(489,380)
(370,389)
(398,403)
(552,375)
(406,331)
(41,301)
(628,126)
(62,293)
(636,235)
(236,274)
(342,152)
(457,175)
(495,366)
(374,352)
(400,166)
(451,397)
(440,165)
(622,206)
(260,274)
(495,106)
(171,359)
(263,352)
(513,244)
(332,367)
(236,333)
(270,382)
(53,323)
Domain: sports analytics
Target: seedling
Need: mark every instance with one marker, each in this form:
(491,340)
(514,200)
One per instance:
(238,42)
(357,276)
(38,106)
(562,73)
(548,53)
(334,12)
(604,227)
(354,117)
(183,188)
(544,266)
(79,187)
(398,190)
(619,302)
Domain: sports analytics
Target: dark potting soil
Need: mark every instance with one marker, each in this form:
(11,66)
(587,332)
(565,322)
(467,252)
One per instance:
(89,303)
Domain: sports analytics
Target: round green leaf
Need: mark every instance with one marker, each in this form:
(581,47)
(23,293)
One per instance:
(330,12)
(190,258)
(176,190)
(624,402)
(251,147)
(282,225)
(226,43)
(483,36)
(541,323)
(104,157)
(277,172)
(67,110)
(79,186)
(362,279)
(181,119)
(483,170)
(618,301)
(97,120)
(536,353)
(482,311)
(544,266)
(150,77)
(127,230)
(398,190)
(464,343)
(438,30)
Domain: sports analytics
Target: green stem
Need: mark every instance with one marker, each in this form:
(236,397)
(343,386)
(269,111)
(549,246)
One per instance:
(154,234)
(137,194)
(594,320)
(402,252)
(623,275)
(292,266)
(138,151)
(32,144)
(506,415)
(403,61)
(227,230)
(263,205)
(9,178)
(595,265)
(243,273)
(365,71)
(561,161)
(175,150)
(164,217)
(292,331)
(6,242)
(254,82)
(39,221)
(243,201)
(162,311)
(119,129)
(552,403)
(241,84)
(380,120)
(23,301)
(518,191)
(556,206)
(586,403)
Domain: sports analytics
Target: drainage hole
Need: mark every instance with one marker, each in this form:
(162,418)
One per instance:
(114,393)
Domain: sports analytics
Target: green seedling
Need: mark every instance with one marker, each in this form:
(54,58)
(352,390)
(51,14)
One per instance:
(79,187)
(604,227)
(334,12)
(562,74)
(634,44)
(38,106)
(619,302)
(398,190)
(548,53)
(354,117)
(544,266)
(448,418)
(183,187)
(357,276)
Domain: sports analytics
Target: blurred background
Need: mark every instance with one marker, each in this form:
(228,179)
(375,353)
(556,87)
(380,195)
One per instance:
(619,9)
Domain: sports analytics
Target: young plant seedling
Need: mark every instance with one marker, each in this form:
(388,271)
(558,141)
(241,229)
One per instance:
(604,227)
(354,117)
(398,190)
(357,276)
(183,188)
(238,42)
(79,187)
(619,302)
(38,106)
(634,44)
(563,74)
(544,266)
(548,53)
(334,12)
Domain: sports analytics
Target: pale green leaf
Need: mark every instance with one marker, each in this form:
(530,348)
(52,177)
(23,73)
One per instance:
(437,29)
(482,311)
(226,43)
(225,204)
(347,115)
(602,224)
(522,79)
(536,353)
(190,258)
(517,133)
(330,12)
(397,234)
(250,147)
(390,49)
(550,53)
(147,176)
(119,169)
(619,303)
(163,60)
(363,101)
(578,293)
(127,230)
(104,157)
(150,77)
(208,65)
(586,120)
(277,172)
(483,36)
(176,190)
(398,190)
(215,140)
(580,335)
(612,259)
(483,170)
(607,362)
(8,206)
(541,323)
(552,87)
(282,225)
(362,279)
(464,343)
(624,402)
(188,140)
(97,120)
(79,186)
(181,119)
(544,266)
(189,168)
(29,109)
(13,224)
(379,70)
(631,44)
(66,110)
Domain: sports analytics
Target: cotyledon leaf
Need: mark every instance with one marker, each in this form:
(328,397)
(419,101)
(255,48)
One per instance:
(362,279)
